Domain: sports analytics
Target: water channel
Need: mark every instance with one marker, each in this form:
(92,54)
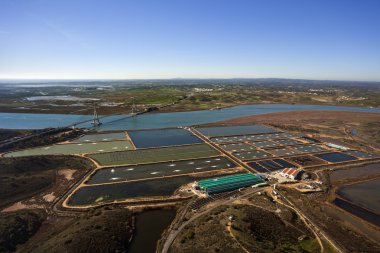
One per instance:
(160,120)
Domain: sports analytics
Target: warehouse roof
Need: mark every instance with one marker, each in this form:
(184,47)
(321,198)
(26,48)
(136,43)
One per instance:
(291,172)
(228,183)
(227,179)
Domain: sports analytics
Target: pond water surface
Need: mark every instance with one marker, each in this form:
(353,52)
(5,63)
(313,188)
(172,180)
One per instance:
(149,227)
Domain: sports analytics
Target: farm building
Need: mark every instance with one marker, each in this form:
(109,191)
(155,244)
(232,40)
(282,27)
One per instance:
(293,174)
(229,183)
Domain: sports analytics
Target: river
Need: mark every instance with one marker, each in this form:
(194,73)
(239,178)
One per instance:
(160,120)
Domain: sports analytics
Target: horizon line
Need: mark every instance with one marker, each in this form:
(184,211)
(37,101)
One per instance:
(179,78)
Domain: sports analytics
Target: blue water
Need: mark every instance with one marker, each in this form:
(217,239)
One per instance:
(160,120)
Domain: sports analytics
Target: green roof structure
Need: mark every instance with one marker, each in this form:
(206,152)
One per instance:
(229,183)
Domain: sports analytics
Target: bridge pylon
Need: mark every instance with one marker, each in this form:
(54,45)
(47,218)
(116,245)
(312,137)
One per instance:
(95,120)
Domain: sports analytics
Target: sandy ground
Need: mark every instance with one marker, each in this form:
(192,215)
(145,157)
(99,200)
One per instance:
(19,206)
(309,116)
(67,173)
(49,197)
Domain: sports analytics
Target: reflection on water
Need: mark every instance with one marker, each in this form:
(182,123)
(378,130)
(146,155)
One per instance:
(147,188)
(159,120)
(355,172)
(362,200)
(148,230)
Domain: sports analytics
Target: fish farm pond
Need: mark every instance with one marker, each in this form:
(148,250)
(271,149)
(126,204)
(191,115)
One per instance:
(153,164)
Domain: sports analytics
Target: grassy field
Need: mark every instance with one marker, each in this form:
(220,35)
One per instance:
(75,148)
(155,155)
(200,94)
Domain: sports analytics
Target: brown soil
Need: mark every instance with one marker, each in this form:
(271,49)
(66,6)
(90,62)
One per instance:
(309,117)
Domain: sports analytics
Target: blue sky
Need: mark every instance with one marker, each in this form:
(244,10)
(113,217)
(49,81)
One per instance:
(121,39)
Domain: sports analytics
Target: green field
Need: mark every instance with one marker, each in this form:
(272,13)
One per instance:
(74,148)
(155,155)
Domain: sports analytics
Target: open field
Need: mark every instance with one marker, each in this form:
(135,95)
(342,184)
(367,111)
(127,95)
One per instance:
(155,155)
(74,148)
(152,170)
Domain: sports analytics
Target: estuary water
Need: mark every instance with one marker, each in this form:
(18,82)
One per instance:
(159,120)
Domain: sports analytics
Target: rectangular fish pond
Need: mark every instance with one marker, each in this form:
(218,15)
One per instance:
(237,147)
(101,137)
(256,137)
(155,155)
(287,142)
(162,137)
(360,154)
(235,130)
(283,151)
(97,194)
(74,148)
(309,148)
(271,165)
(252,155)
(152,170)
(336,157)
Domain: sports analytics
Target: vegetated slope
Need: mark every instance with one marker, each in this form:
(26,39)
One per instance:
(255,229)
(17,227)
(25,176)
(107,229)
(263,231)
(6,134)
(44,137)
(348,232)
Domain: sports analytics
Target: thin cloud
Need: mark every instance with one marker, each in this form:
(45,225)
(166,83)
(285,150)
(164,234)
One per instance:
(72,38)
